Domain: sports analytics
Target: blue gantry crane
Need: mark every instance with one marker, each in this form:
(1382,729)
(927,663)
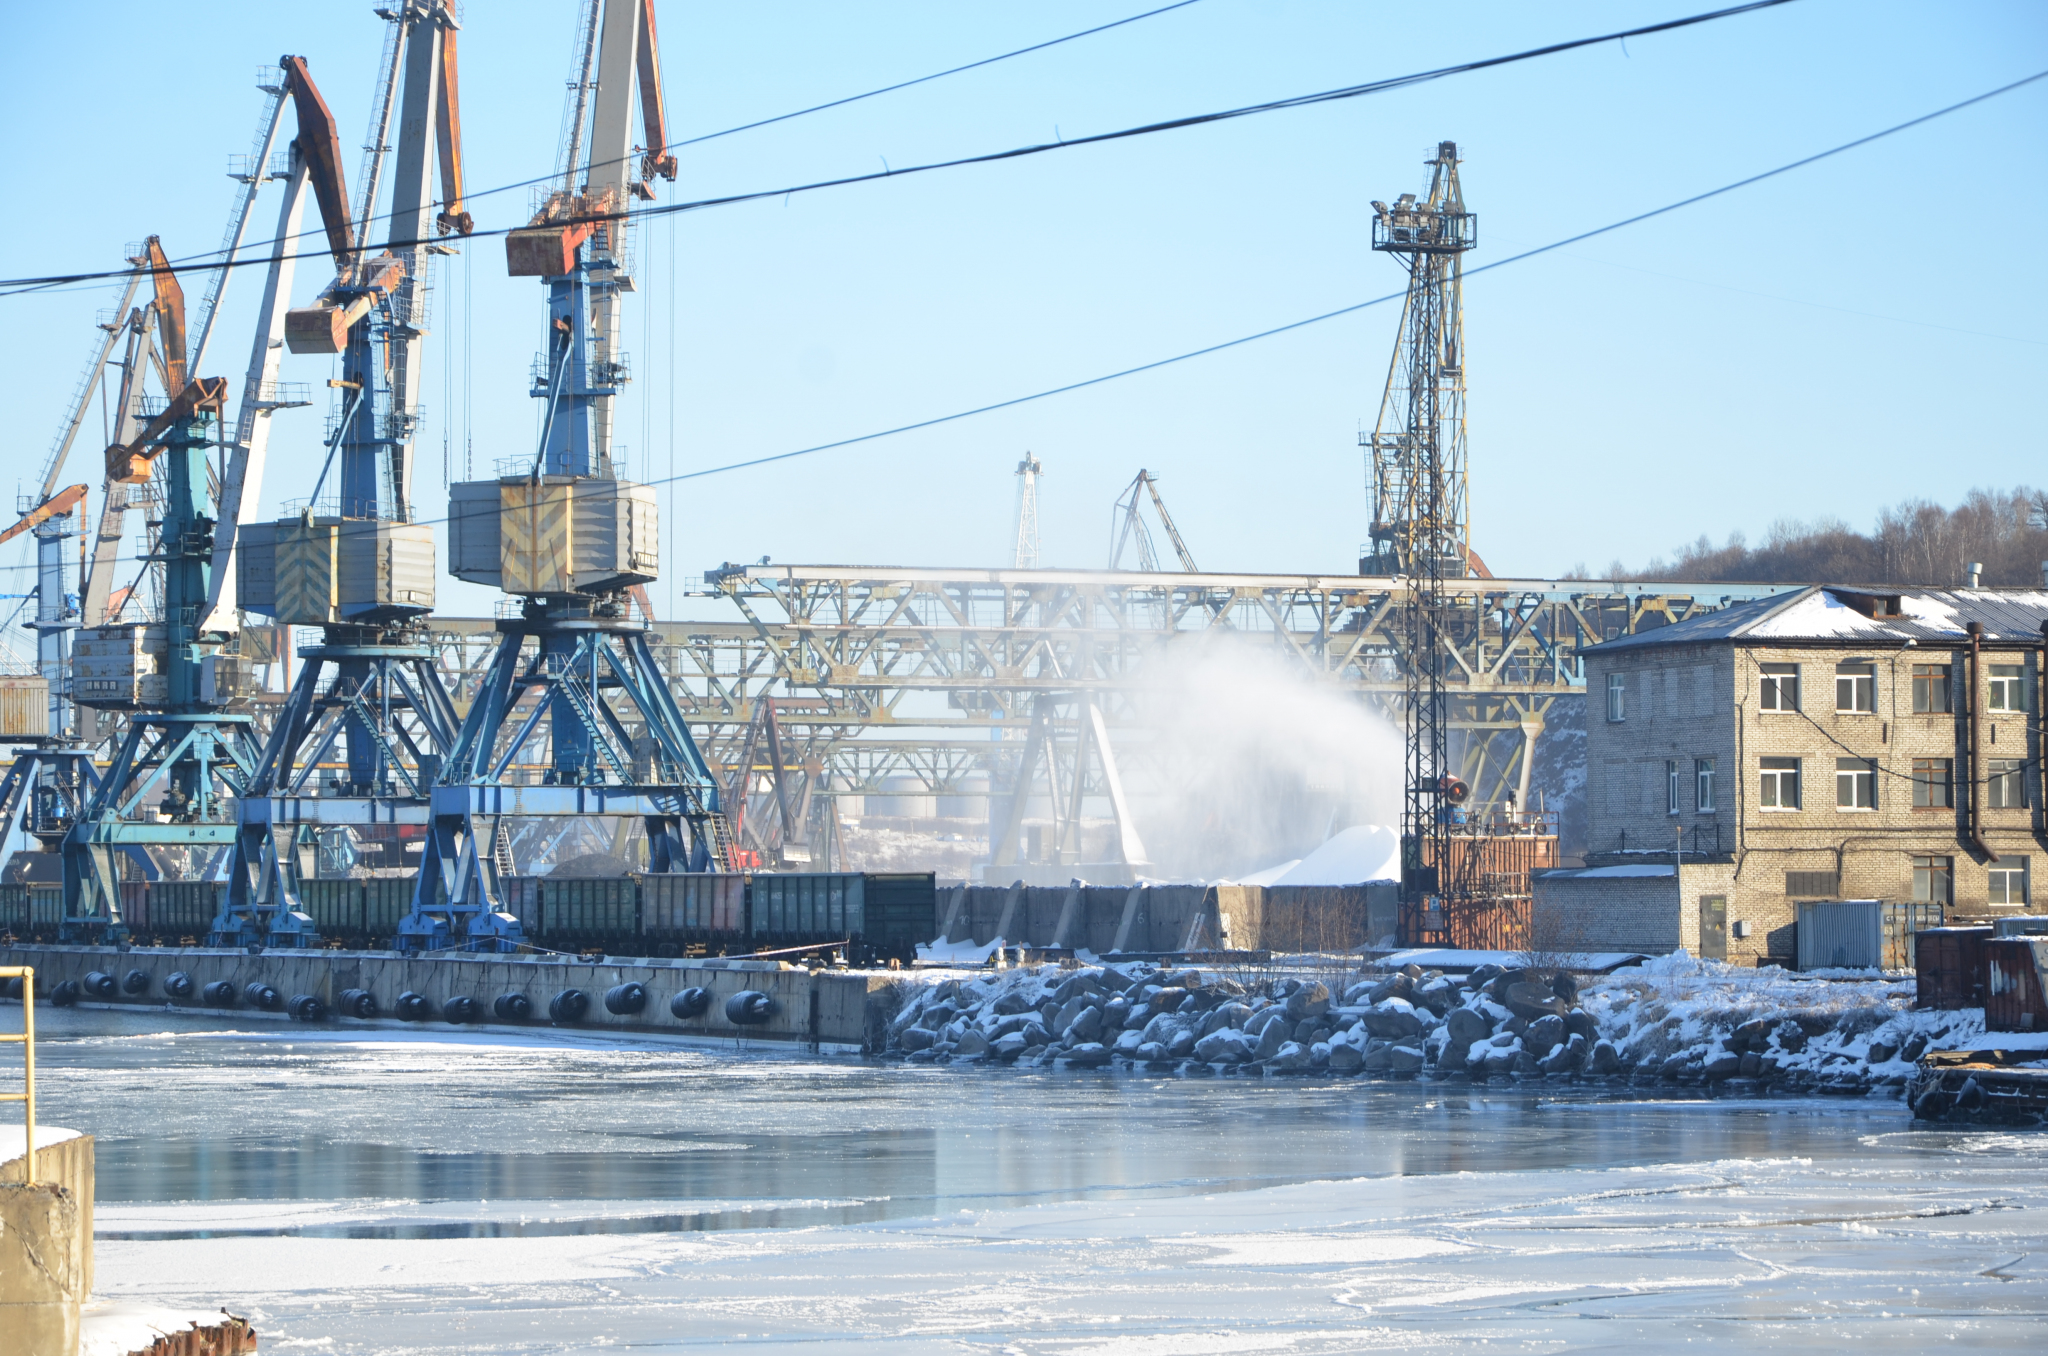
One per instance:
(573,718)
(364,730)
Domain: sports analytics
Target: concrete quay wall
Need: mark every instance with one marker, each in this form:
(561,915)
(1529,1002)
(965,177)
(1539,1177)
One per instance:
(822,1008)
(46,1247)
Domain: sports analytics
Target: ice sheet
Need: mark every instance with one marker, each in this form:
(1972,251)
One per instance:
(1940,1247)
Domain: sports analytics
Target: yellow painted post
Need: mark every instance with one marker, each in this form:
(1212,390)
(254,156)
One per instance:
(27,1040)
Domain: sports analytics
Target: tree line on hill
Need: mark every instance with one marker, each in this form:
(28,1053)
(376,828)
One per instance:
(1914,543)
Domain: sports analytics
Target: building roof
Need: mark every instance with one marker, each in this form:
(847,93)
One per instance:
(1857,616)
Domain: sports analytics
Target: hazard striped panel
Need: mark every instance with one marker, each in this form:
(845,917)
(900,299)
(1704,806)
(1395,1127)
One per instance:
(536,540)
(306,575)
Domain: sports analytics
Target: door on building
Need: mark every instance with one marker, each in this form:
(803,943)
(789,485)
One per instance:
(1714,927)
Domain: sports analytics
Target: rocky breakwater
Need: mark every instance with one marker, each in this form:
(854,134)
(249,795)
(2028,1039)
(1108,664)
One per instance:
(1398,1024)
(1672,1021)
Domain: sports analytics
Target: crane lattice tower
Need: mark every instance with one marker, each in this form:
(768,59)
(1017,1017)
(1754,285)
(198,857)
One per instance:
(1420,519)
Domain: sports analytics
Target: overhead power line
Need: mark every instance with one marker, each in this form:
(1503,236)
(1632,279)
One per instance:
(202,261)
(1527,254)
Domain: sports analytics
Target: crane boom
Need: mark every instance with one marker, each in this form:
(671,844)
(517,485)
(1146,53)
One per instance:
(170,315)
(1180,548)
(56,506)
(319,145)
(91,383)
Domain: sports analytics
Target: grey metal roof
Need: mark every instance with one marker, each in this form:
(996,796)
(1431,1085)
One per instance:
(1857,616)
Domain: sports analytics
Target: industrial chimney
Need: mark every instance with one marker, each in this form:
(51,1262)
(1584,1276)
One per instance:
(1976,573)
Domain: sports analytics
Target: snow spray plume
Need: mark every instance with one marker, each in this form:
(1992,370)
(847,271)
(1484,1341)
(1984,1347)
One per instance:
(1251,761)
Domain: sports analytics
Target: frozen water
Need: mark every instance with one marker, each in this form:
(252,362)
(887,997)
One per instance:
(404,1192)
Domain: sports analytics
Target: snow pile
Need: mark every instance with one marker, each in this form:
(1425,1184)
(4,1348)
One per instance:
(1364,852)
(1684,1018)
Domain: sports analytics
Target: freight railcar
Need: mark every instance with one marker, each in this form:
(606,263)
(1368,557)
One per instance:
(880,916)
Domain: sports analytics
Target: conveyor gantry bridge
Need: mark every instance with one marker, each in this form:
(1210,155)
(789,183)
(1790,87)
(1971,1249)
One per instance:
(905,672)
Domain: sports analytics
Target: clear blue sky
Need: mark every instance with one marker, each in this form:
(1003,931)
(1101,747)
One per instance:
(1827,343)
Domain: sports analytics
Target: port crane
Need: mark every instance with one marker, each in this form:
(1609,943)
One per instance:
(574,717)
(1131,529)
(353,562)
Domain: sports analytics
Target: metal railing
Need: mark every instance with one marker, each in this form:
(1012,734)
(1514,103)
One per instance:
(26,1039)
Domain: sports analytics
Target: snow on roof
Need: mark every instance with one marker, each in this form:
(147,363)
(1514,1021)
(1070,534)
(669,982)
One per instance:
(1361,853)
(1610,872)
(1885,616)
(1432,958)
(1819,613)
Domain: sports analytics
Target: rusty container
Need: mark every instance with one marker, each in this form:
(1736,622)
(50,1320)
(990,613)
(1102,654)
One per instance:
(2013,991)
(24,705)
(1948,966)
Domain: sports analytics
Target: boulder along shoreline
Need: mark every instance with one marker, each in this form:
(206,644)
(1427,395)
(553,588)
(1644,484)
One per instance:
(1674,1021)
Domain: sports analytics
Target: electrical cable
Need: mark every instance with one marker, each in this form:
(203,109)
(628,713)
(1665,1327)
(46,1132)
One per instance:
(200,260)
(196,262)
(1359,306)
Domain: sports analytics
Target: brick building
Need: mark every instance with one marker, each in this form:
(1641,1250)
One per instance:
(1828,744)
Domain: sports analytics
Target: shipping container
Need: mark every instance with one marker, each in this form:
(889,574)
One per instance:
(24,706)
(678,907)
(2014,998)
(1902,924)
(1948,966)
(1841,934)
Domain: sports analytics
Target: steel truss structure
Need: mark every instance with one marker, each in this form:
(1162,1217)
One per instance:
(914,673)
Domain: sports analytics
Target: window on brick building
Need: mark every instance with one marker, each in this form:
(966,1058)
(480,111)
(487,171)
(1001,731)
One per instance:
(1931,784)
(1617,697)
(1855,784)
(1670,786)
(2009,881)
(1780,687)
(1933,880)
(1780,784)
(1703,785)
(2007,688)
(2005,784)
(1856,686)
(1930,687)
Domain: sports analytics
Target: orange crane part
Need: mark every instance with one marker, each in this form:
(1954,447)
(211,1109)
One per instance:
(323,327)
(56,506)
(454,217)
(546,246)
(319,144)
(170,314)
(653,116)
(129,464)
